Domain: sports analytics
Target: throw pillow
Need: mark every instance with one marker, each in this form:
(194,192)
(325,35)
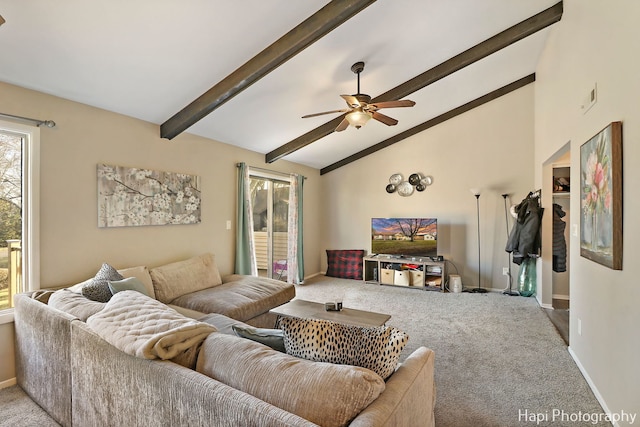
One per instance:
(173,280)
(327,395)
(42,296)
(141,273)
(97,289)
(346,264)
(375,348)
(270,337)
(127,284)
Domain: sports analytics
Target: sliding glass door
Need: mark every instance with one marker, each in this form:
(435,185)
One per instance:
(270,202)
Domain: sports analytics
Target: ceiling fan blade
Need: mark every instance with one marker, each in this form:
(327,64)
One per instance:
(344,110)
(392,104)
(351,100)
(343,125)
(384,119)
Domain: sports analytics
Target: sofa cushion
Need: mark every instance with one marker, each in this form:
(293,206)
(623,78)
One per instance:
(173,280)
(222,323)
(97,289)
(346,263)
(74,304)
(375,348)
(325,394)
(141,273)
(242,299)
(269,337)
(127,284)
(186,312)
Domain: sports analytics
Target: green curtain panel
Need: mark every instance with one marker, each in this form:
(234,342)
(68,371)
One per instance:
(245,252)
(295,259)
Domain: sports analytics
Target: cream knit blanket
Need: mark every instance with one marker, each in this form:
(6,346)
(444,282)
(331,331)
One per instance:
(146,328)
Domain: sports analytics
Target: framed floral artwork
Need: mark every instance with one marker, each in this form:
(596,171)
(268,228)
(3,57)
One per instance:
(136,196)
(601,197)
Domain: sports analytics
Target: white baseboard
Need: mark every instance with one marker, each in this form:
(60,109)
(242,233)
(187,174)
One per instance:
(313,275)
(8,383)
(592,386)
(560,296)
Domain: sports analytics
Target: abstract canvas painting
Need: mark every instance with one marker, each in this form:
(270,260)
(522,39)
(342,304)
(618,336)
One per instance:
(601,197)
(136,196)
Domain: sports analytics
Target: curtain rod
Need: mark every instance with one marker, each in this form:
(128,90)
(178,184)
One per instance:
(47,123)
(269,171)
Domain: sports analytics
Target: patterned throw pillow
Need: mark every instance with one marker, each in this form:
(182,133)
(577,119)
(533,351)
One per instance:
(97,289)
(374,348)
(345,263)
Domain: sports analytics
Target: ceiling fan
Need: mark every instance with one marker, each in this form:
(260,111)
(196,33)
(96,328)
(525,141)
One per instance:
(361,109)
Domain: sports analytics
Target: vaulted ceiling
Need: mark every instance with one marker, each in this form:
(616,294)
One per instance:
(245,72)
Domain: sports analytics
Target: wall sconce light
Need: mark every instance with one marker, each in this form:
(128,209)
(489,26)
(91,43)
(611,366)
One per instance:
(416,182)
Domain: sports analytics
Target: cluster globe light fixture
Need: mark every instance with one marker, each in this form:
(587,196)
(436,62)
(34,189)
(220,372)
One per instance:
(405,188)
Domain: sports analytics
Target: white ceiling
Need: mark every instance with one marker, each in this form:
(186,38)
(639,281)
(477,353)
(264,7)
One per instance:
(150,58)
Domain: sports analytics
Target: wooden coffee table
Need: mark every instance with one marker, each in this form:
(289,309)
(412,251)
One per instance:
(312,310)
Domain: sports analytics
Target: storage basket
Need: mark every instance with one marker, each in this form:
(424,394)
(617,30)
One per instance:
(401,278)
(417,277)
(386,276)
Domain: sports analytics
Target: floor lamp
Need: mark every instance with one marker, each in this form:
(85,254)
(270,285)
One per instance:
(476,193)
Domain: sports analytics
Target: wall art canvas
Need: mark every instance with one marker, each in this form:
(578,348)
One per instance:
(601,197)
(136,197)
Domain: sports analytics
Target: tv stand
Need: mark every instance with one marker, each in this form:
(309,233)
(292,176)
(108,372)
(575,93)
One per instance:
(408,271)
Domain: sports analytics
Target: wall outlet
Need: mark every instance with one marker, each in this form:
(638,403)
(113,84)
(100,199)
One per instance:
(579,326)
(228,224)
(505,271)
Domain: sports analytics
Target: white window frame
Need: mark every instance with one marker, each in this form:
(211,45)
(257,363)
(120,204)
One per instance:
(30,208)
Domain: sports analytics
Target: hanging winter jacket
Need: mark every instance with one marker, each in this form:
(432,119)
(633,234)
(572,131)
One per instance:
(525,240)
(559,244)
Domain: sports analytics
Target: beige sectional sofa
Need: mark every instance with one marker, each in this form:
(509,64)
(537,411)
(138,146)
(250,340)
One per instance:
(80,379)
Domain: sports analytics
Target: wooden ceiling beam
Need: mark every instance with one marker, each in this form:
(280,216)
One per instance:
(450,66)
(431,123)
(295,41)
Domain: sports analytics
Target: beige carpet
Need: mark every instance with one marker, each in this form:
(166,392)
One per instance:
(18,410)
(499,359)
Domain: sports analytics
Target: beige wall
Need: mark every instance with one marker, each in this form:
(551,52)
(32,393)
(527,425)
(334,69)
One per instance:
(7,357)
(73,247)
(490,147)
(594,43)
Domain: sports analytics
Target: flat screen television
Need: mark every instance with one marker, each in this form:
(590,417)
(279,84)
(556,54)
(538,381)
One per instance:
(406,237)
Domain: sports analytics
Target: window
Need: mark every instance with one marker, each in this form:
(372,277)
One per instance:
(19,196)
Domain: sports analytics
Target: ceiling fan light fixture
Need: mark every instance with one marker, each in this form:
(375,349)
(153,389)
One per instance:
(358,118)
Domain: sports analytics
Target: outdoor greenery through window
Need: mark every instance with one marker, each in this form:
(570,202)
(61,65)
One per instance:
(10,215)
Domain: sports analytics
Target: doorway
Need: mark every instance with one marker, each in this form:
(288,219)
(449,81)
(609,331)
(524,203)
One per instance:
(270,203)
(556,232)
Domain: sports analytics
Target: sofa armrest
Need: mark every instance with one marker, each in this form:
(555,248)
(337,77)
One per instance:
(43,360)
(409,397)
